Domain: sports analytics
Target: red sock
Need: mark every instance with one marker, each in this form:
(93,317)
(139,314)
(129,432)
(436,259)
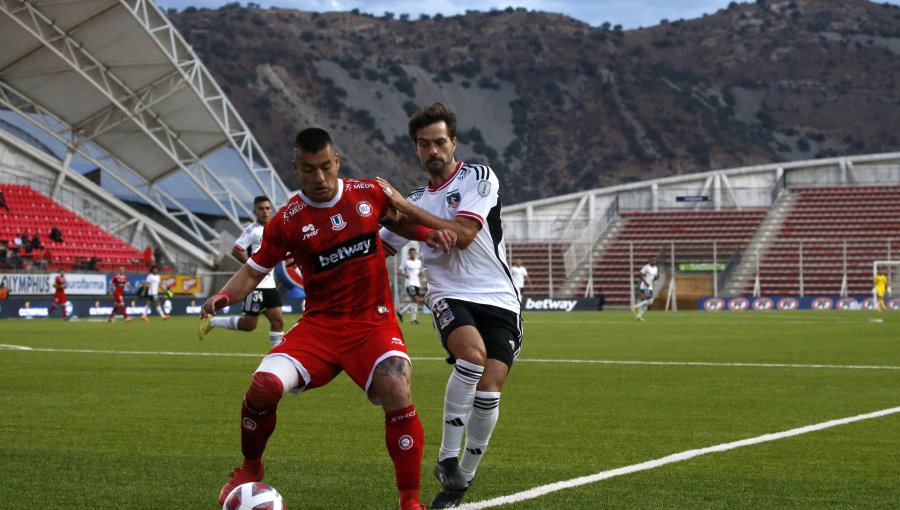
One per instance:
(63,311)
(405,439)
(255,431)
(256,426)
(124,311)
(53,307)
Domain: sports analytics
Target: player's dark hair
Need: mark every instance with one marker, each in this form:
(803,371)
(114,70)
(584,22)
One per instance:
(260,199)
(154,267)
(312,140)
(429,115)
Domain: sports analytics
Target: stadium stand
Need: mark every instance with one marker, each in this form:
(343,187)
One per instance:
(825,221)
(651,233)
(544,262)
(82,240)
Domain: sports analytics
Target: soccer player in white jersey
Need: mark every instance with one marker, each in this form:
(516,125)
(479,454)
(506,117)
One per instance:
(470,292)
(519,275)
(264,299)
(411,268)
(649,274)
(151,290)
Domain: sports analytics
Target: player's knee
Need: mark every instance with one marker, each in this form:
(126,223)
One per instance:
(266,389)
(391,383)
(247,324)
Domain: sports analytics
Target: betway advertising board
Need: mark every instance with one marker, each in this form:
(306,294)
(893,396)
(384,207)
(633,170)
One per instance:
(77,284)
(559,304)
(85,308)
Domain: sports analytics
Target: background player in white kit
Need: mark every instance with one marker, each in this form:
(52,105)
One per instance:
(151,289)
(474,304)
(519,275)
(264,299)
(649,274)
(411,269)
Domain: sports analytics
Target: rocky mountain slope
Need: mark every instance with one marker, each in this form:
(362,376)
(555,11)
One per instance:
(555,105)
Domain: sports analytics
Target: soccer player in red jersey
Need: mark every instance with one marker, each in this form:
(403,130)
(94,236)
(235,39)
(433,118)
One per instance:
(59,294)
(119,284)
(330,229)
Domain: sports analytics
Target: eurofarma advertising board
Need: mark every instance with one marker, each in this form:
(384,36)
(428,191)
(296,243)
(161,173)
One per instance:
(763,303)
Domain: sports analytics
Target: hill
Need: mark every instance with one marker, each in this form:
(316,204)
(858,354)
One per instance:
(555,105)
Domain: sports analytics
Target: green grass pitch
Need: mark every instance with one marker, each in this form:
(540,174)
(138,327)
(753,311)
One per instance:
(144,416)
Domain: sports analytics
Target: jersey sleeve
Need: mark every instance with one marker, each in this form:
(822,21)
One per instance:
(478,193)
(273,250)
(390,241)
(245,239)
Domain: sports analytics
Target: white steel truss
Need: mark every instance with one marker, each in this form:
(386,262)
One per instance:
(192,227)
(135,106)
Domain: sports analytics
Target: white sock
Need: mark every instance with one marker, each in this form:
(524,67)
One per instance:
(146,311)
(275,337)
(482,420)
(160,310)
(414,313)
(225,322)
(458,401)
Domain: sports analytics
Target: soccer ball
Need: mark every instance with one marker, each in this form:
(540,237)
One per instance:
(254,496)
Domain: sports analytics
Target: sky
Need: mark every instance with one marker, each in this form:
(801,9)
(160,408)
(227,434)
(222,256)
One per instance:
(628,13)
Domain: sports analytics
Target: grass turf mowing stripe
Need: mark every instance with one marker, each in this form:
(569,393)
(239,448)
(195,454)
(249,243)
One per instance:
(11,347)
(670,459)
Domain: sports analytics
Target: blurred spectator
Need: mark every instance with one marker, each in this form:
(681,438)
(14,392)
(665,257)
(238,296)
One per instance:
(25,242)
(4,292)
(158,256)
(36,243)
(601,298)
(3,202)
(148,256)
(92,263)
(56,234)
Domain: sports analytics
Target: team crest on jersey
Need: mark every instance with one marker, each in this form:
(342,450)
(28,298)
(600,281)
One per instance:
(484,187)
(364,209)
(453,198)
(337,222)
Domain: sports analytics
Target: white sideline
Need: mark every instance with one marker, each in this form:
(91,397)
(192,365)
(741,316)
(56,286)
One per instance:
(11,347)
(677,457)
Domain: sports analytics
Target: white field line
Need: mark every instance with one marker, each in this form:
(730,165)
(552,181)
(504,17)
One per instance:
(669,459)
(11,347)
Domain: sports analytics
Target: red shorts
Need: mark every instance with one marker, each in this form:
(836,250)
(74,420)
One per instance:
(119,299)
(323,347)
(59,298)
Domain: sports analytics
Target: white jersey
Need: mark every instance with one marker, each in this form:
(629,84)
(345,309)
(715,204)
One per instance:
(648,275)
(412,269)
(152,281)
(249,242)
(480,273)
(518,275)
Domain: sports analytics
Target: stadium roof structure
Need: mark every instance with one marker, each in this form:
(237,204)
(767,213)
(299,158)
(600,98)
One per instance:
(112,85)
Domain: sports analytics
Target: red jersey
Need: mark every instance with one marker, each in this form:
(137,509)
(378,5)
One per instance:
(119,283)
(60,285)
(336,246)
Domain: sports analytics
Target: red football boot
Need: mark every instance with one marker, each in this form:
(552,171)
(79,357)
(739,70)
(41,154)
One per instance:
(241,475)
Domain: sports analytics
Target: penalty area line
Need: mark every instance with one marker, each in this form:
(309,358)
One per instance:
(670,459)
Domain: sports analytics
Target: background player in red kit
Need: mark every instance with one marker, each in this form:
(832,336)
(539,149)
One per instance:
(119,284)
(59,293)
(330,229)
